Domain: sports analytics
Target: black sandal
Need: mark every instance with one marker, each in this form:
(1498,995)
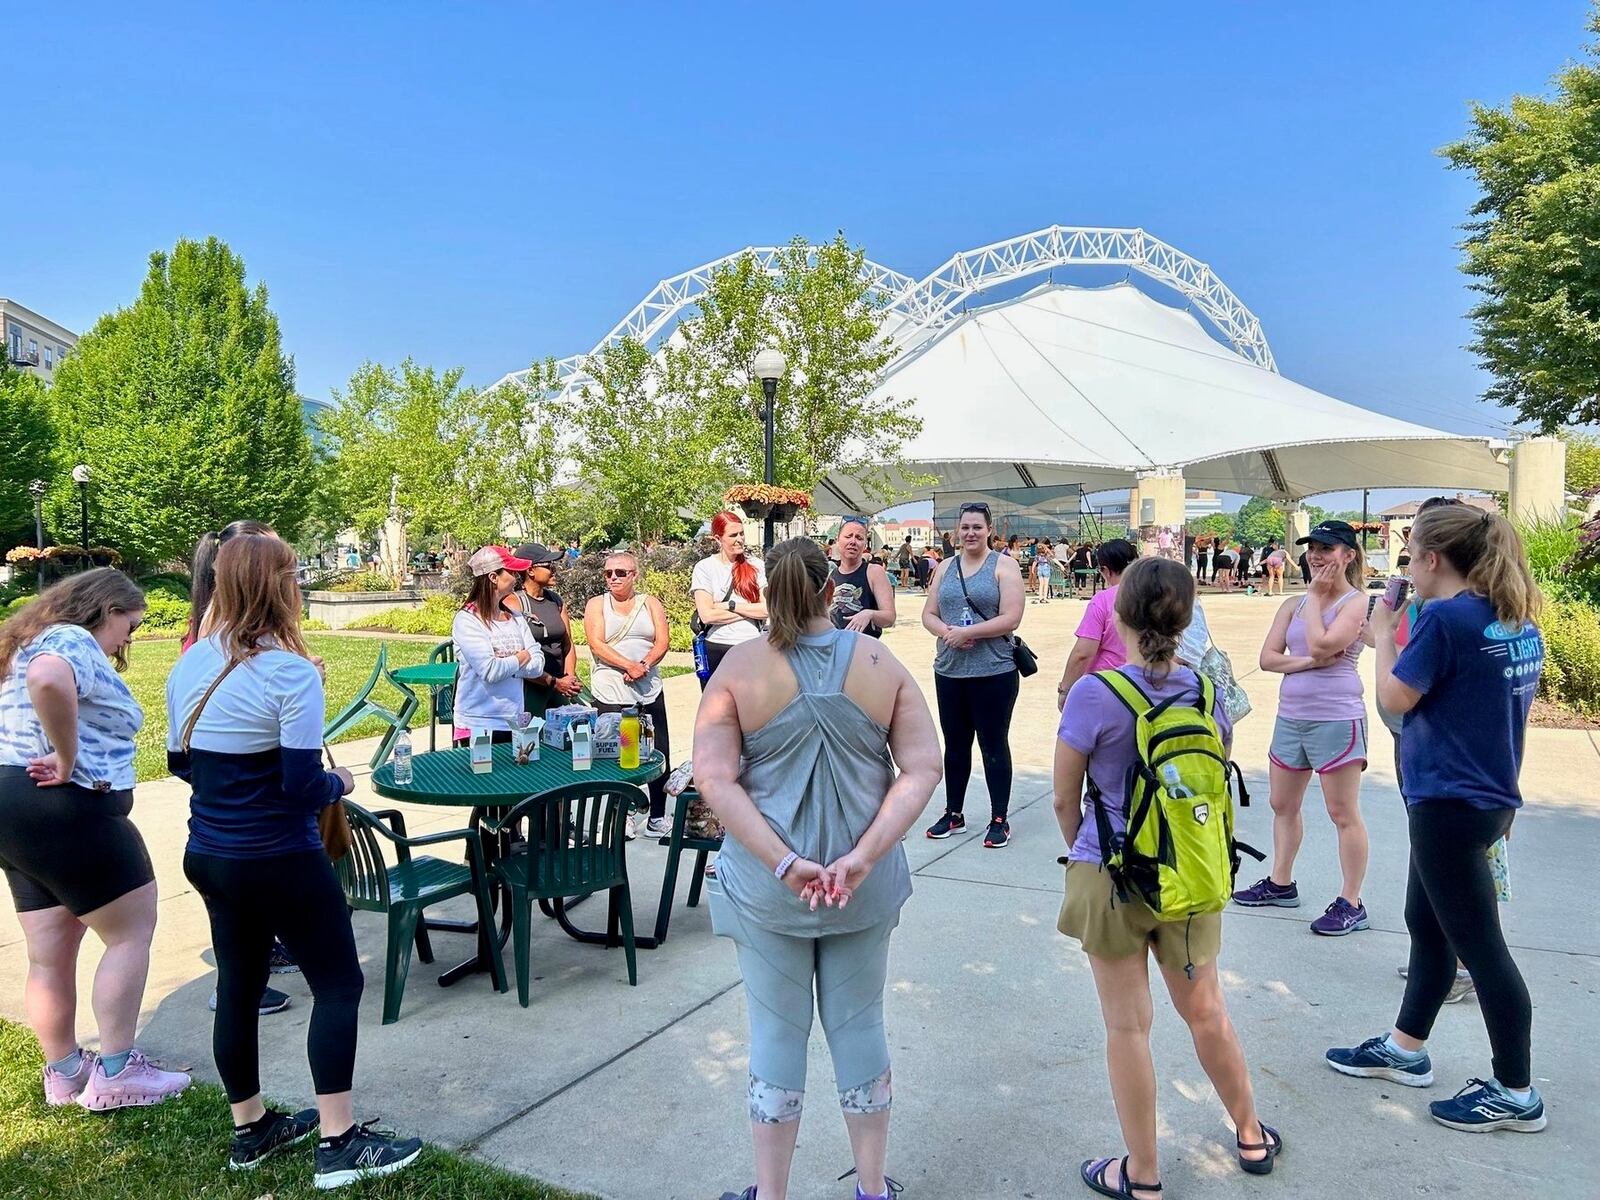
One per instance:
(1273,1146)
(1093,1173)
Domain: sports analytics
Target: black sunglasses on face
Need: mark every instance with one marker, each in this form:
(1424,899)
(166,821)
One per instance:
(618,572)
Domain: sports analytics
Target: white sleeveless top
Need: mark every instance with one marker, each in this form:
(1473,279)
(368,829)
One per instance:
(630,635)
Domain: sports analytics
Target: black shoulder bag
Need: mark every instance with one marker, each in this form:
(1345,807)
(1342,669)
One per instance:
(1021,653)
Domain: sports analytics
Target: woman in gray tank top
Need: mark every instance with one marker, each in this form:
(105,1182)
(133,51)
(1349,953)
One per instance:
(975,604)
(797,743)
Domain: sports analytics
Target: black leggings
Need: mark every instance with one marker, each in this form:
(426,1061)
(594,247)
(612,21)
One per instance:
(657,711)
(978,706)
(296,897)
(1452,913)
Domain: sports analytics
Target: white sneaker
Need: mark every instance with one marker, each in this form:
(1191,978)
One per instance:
(658,827)
(631,831)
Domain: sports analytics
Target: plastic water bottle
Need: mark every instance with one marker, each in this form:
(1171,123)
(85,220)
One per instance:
(702,659)
(966,615)
(402,759)
(1174,785)
(647,735)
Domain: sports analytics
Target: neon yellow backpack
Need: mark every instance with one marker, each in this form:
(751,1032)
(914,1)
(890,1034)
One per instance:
(1179,854)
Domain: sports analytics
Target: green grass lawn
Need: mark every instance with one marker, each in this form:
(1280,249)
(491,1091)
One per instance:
(178,1150)
(349,662)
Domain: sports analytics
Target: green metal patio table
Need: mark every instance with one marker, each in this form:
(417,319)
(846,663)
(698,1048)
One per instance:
(446,778)
(433,676)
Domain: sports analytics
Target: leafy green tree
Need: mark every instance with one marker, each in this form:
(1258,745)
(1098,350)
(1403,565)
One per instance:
(1583,462)
(1210,525)
(183,407)
(648,452)
(825,318)
(1533,246)
(1259,522)
(415,435)
(27,449)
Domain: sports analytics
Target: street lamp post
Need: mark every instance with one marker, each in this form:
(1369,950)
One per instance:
(38,488)
(80,476)
(769,367)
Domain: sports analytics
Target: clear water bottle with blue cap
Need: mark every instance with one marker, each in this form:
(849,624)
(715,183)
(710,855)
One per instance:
(1174,785)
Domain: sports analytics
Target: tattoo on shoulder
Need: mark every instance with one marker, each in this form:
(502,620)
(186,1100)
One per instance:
(874,657)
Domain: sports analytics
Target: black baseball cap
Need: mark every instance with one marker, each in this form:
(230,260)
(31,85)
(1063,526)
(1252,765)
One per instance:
(1331,533)
(538,555)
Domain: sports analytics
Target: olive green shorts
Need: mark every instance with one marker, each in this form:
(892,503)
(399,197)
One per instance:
(1124,929)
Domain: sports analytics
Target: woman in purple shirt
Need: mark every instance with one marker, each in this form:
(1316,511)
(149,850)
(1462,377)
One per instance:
(1321,726)
(1155,602)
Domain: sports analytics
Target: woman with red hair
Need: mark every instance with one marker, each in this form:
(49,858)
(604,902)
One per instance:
(729,590)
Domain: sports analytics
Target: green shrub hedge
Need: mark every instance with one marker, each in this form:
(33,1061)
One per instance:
(1571,677)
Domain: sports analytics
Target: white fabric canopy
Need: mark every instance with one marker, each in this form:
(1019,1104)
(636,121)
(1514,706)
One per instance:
(1092,386)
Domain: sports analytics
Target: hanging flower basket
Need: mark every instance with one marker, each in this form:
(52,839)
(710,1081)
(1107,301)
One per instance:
(759,501)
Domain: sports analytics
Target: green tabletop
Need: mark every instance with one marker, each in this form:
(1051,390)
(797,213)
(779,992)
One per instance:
(447,777)
(435,674)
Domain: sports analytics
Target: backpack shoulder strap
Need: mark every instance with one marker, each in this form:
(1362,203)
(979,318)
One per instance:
(1126,690)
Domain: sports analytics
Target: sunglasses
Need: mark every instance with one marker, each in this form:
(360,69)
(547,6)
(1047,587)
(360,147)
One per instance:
(975,507)
(617,572)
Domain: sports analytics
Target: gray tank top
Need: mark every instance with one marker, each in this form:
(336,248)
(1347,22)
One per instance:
(818,771)
(988,656)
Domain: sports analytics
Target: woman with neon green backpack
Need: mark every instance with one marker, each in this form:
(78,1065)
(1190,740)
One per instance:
(1162,732)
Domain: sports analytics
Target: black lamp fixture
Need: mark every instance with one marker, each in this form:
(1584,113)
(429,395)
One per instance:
(80,476)
(769,367)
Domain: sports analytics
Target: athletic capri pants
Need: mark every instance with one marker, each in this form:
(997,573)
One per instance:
(68,847)
(840,977)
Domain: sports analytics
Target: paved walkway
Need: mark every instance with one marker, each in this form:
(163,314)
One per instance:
(639,1092)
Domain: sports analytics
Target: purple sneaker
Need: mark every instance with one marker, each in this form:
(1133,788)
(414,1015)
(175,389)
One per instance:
(1341,918)
(139,1083)
(62,1089)
(1265,893)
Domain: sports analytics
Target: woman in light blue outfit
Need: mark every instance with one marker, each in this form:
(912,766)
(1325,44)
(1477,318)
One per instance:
(793,752)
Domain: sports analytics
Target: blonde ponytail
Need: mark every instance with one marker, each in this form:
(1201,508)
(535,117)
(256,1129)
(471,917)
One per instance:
(1487,550)
(1355,571)
(797,578)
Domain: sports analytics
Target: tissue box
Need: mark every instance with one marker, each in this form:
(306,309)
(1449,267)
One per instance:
(558,720)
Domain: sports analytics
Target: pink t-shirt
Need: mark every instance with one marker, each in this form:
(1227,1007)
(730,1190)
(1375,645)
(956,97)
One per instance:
(1099,623)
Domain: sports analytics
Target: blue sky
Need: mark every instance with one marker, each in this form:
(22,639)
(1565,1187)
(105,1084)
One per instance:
(482,184)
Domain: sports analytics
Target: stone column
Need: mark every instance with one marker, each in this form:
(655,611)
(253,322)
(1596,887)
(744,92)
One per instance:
(1538,479)
(1296,524)
(1158,519)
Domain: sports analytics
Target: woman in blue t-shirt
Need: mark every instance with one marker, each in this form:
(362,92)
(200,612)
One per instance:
(1464,683)
(1155,602)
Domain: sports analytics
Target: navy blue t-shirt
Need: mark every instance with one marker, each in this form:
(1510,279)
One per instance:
(1463,740)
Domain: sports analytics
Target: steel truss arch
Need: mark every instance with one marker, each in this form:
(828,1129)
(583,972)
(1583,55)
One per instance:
(938,299)
(652,315)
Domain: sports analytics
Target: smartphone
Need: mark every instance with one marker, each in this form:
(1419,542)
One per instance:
(1394,596)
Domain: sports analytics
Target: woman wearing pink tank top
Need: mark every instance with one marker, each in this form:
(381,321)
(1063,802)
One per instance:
(1322,724)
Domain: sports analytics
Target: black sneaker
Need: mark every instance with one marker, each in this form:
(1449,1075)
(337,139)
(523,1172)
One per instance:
(998,835)
(947,824)
(281,962)
(272,1001)
(269,1135)
(365,1153)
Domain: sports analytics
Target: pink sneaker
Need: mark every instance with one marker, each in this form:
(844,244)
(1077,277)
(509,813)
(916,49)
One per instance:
(62,1089)
(140,1082)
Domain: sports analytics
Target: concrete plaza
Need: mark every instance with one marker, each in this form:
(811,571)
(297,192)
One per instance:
(631,1093)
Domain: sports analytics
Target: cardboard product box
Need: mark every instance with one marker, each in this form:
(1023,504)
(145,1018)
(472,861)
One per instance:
(558,720)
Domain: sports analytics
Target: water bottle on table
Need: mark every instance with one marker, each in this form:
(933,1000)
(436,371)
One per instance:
(401,757)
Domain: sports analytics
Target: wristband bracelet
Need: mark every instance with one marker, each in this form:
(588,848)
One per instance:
(785,863)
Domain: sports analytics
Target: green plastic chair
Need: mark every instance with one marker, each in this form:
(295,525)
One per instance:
(405,890)
(678,844)
(444,698)
(364,706)
(575,846)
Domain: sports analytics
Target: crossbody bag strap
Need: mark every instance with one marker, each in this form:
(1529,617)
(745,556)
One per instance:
(633,618)
(188,726)
(967,596)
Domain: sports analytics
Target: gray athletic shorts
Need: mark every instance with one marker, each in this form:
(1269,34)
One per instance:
(1319,746)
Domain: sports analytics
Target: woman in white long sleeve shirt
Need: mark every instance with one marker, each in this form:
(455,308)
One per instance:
(495,648)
